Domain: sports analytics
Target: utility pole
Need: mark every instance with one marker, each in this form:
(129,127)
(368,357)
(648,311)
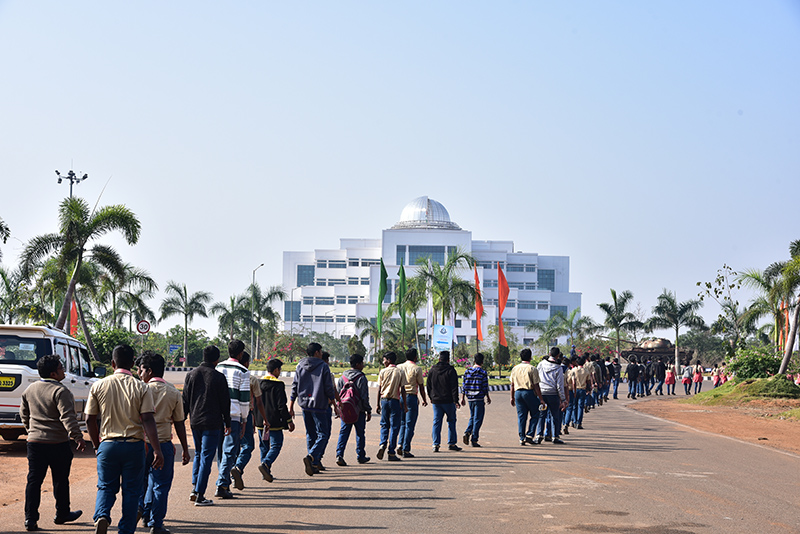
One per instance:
(73,179)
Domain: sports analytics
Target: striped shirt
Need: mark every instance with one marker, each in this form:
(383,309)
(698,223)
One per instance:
(475,383)
(238,378)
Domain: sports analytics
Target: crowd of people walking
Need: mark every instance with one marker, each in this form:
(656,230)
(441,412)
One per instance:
(131,421)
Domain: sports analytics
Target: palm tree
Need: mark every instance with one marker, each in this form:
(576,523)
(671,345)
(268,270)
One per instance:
(668,313)
(133,305)
(5,233)
(118,285)
(735,323)
(618,318)
(578,327)
(179,302)
(550,330)
(768,302)
(12,295)
(261,306)
(791,285)
(78,227)
(235,313)
(452,295)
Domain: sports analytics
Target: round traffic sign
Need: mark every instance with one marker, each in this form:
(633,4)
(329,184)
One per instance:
(143,327)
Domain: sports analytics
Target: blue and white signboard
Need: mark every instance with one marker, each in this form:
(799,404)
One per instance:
(173,349)
(442,338)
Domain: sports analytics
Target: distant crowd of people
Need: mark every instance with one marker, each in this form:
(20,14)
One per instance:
(131,420)
(648,377)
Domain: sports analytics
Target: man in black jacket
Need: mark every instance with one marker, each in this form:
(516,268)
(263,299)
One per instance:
(207,402)
(632,374)
(442,387)
(660,374)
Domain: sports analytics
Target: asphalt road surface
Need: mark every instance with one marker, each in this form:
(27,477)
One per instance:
(626,472)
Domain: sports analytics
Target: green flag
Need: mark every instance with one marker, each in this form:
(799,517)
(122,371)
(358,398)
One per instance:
(381,295)
(401,295)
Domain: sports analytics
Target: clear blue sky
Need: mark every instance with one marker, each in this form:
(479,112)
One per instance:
(649,141)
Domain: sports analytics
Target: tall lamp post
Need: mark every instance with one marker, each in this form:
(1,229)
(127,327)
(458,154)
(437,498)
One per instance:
(253,311)
(291,311)
(326,321)
(73,179)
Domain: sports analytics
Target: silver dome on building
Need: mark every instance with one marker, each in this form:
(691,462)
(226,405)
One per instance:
(424,212)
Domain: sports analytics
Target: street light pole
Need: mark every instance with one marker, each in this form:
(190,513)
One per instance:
(73,179)
(291,311)
(252,311)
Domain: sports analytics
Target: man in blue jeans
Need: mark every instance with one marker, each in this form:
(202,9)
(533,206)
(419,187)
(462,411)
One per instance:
(123,405)
(248,443)
(273,397)
(526,396)
(415,388)
(313,390)
(442,389)
(238,378)
(169,413)
(392,405)
(355,376)
(551,383)
(475,386)
(207,402)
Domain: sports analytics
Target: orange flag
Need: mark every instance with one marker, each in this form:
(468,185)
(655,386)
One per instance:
(478,304)
(73,320)
(502,294)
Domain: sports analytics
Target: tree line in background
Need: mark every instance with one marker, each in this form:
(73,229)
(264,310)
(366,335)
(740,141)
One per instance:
(111,296)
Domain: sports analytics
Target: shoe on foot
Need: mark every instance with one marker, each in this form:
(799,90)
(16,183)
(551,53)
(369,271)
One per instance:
(407,454)
(266,472)
(72,516)
(101,525)
(566,430)
(193,496)
(475,444)
(381,452)
(364,460)
(223,493)
(319,466)
(393,458)
(580,427)
(308,463)
(236,475)
(399,452)
(548,438)
(435,448)
(202,501)
(523,442)
(31,525)
(159,530)
(537,440)
(340,461)
(557,441)
(465,438)
(453,447)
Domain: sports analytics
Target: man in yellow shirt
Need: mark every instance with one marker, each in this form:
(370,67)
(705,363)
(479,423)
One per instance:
(391,388)
(526,396)
(414,379)
(124,405)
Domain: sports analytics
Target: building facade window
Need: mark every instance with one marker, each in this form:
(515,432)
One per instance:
(435,253)
(461,339)
(516,285)
(401,254)
(324,301)
(308,301)
(527,305)
(352,299)
(368,262)
(458,323)
(352,281)
(336,281)
(341,299)
(291,311)
(542,305)
(489,283)
(516,268)
(530,286)
(365,281)
(337,264)
(530,268)
(321,282)
(321,264)
(305,275)
(558,310)
(547,279)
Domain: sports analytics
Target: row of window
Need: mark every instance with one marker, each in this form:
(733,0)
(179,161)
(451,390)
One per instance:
(411,254)
(331,264)
(328,319)
(330,301)
(522,286)
(321,282)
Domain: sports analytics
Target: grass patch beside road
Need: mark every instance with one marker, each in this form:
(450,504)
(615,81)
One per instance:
(738,392)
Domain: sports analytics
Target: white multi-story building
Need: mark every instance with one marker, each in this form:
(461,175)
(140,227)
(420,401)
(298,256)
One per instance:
(330,288)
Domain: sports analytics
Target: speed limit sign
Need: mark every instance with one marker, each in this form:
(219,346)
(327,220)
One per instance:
(143,327)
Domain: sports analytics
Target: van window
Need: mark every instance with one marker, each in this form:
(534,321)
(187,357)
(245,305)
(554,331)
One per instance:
(61,351)
(74,360)
(86,365)
(23,350)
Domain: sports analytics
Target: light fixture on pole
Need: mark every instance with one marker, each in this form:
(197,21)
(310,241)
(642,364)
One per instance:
(73,179)
(326,321)
(252,311)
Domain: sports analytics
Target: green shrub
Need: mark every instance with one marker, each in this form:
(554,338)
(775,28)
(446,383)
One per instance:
(759,362)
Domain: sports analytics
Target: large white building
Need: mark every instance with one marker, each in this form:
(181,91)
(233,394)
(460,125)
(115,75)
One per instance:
(330,288)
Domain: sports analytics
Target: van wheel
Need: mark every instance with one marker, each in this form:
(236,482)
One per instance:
(11,435)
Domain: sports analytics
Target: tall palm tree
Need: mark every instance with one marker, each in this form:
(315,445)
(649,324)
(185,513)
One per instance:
(452,295)
(116,285)
(791,285)
(179,302)
(78,227)
(233,314)
(133,305)
(576,327)
(5,233)
(770,294)
(261,305)
(668,313)
(12,295)
(618,317)
(550,330)
(735,323)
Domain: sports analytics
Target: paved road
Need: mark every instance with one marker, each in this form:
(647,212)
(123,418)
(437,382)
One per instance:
(625,473)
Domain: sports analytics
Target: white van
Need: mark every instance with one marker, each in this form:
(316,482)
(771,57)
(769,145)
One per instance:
(20,349)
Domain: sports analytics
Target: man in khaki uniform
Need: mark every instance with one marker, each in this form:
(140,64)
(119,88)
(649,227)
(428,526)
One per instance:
(168,413)
(391,388)
(124,405)
(414,379)
(526,396)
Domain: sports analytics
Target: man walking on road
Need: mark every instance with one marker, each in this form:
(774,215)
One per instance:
(48,413)
(238,378)
(124,406)
(443,391)
(415,388)
(551,378)
(273,396)
(208,403)
(248,443)
(313,390)
(391,389)
(475,387)
(526,396)
(169,413)
(358,381)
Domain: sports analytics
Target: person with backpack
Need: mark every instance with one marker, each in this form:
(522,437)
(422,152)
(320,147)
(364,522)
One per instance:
(354,409)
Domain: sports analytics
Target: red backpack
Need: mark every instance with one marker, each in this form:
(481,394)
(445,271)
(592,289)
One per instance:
(349,408)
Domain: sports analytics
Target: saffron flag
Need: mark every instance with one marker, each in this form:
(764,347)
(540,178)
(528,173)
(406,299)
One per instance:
(502,294)
(381,295)
(73,320)
(401,295)
(478,304)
